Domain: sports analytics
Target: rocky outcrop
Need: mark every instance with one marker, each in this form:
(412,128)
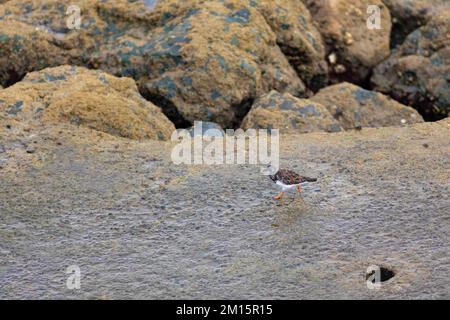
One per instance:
(408,15)
(287,113)
(353,48)
(417,73)
(355,107)
(198,60)
(82,97)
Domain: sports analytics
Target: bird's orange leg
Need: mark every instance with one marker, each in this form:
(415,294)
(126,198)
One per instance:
(278,196)
(299,188)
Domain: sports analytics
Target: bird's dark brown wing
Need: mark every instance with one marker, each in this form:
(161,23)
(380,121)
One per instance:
(306,179)
(288,177)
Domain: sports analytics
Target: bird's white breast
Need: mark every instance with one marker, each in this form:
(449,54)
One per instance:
(285,187)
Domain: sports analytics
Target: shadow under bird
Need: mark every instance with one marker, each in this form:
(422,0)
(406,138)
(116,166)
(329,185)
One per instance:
(287,180)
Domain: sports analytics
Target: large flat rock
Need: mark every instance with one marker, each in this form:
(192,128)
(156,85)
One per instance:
(139,226)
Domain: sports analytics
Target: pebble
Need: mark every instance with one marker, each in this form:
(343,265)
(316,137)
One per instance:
(30,149)
(2,162)
(332,58)
(340,69)
(348,38)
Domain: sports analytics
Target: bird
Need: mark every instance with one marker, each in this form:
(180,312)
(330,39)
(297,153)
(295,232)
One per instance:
(287,179)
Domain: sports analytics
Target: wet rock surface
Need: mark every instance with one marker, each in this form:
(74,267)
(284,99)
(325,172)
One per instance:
(288,113)
(82,97)
(417,73)
(356,48)
(141,227)
(94,89)
(355,107)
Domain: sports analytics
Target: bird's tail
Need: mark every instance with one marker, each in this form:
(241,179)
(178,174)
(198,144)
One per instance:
(309,179)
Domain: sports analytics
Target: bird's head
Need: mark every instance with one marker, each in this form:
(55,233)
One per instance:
(270,170)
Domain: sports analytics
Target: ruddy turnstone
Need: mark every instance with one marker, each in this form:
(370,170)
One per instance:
(287,180)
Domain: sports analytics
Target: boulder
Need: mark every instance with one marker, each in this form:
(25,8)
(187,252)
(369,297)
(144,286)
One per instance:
(418,72)
(211,59)
(82,97)
(355,107)
(408,15)
(298,38)
(288,113)
(353,48)
(45,33)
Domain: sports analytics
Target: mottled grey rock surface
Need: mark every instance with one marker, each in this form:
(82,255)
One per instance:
(140,227)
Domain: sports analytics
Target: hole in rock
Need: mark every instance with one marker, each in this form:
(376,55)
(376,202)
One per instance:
(240,111)
(385,274)
(13,77)
(169,109)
